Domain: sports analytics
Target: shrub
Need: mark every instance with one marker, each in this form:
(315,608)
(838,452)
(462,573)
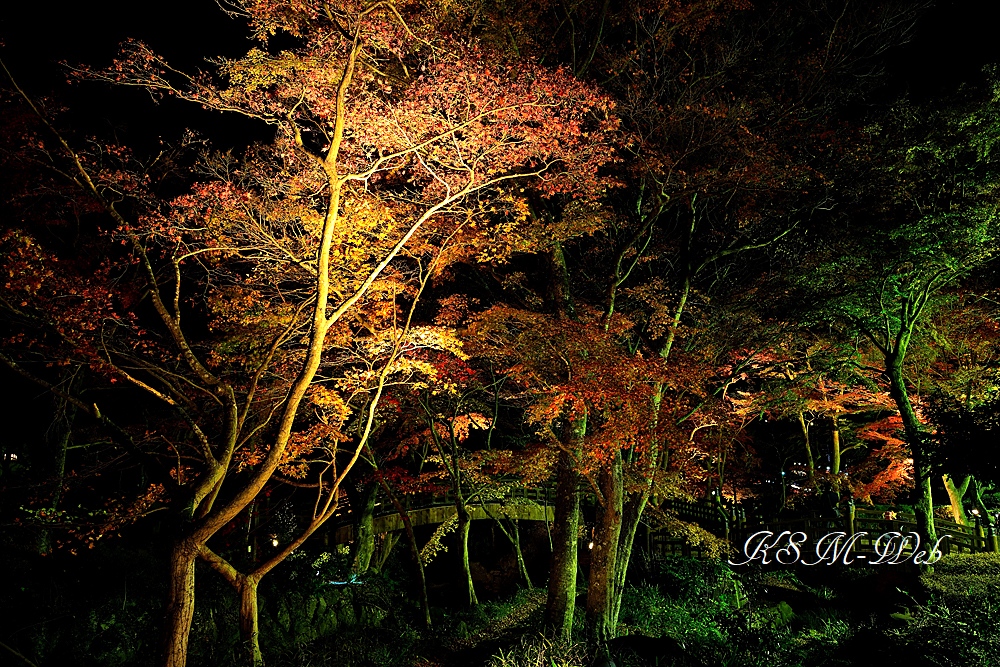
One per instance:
(541,651)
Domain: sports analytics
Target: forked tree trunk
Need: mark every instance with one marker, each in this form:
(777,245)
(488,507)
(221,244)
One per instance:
(607,533)
(631,518)
(561,602)
(956,493)
(514,537)
(633,509)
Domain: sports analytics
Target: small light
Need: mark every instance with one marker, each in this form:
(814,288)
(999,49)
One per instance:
(13,457)
(274,542)
(782,473)
(975,512)
(249,548)
(590,546)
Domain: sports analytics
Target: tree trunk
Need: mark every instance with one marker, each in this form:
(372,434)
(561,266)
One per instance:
(631,518)
(561,603)
(411,538)
(364,533)
(249,628)
(835,432)
(464,523)
(521,565)
(561,293)
(810,461)
(633,509)
(607,534)
(955,494)
(180,603)
(924,507)
(978,498)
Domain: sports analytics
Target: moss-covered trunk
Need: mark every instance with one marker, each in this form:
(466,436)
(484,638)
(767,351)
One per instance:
(604,555)
(956,493)
(923,508)
(561,603)
(464,523)
(364,533)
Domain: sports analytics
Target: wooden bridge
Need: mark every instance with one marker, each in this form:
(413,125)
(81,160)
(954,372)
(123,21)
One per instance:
(530,504)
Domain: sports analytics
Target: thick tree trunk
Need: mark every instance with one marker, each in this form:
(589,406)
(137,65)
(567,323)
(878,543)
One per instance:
(180,603)
(561,603)
(364,533)
(249,628)
(955,494)
(924,507)
(464,523)
(607,534)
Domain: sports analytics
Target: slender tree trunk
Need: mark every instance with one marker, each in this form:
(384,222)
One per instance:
(675,321)
(411,539)
(561,603)
(978,497)
(808,445)
(57,439)
(607,534)
(835,432)
(521,565)
(955,494)
(464,523)
(514,537)
(180,603)
(249,623)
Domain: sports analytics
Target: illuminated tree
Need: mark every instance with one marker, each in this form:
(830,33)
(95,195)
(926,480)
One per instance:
(393,141)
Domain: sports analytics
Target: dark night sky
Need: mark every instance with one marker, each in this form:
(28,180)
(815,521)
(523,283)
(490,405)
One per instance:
(953,42)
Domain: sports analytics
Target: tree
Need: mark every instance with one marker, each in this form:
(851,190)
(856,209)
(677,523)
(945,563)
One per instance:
(392,138)
(932,223)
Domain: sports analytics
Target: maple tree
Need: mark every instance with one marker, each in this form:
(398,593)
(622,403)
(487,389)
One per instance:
(392,140)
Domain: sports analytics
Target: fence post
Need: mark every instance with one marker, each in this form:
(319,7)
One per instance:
(991,542)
